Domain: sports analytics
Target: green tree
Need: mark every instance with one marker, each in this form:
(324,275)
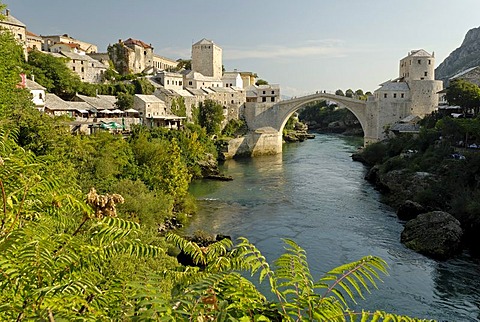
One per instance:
(210,116)
(53,73)
(349,93)
(339,92)
(261,82)
(11,61)
(178,106)
(124,101)
(464,94)
(184,64)
(143,86)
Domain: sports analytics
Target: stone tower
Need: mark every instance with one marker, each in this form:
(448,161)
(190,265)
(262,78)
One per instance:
(417,69)
(207,59)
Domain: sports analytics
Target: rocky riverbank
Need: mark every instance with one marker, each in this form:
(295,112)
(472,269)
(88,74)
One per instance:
(429,229)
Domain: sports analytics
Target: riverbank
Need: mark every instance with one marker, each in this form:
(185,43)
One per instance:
(431,180)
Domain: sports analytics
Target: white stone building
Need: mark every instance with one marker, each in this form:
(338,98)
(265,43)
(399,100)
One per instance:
(163,63)
(232,79)
(49,41)
(263,93)
(170,80)
(154,112)
(38,94)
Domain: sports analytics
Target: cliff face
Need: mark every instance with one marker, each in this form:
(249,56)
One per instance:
(462,58)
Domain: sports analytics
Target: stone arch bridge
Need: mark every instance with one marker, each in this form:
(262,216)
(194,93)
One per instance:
(266,123)
(276,116)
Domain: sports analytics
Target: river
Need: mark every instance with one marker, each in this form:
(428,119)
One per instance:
(316,195)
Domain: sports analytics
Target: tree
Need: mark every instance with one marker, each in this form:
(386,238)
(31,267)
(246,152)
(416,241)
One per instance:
(12,96)
(124,101)
(339,92)
(349,93)
(184,64)
(261,82)
(210,116)
(464,94)
(178,106)
(53,73)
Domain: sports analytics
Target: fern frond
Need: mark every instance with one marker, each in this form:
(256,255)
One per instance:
(352,277)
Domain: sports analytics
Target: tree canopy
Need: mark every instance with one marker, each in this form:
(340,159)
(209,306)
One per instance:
(464,94)
(210,116)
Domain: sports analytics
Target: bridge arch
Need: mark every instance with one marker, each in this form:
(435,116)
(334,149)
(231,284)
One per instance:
(277,115)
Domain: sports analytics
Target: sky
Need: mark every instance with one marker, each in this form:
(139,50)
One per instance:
(304,46)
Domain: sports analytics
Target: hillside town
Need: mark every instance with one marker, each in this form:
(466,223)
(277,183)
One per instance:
(205,80)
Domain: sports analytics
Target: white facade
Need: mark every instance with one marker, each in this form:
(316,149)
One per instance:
(38,94)
(196,80)
(169,80)
(232,79)
(263,94)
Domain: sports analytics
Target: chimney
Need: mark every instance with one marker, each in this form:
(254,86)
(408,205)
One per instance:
(7,12)
(33,78)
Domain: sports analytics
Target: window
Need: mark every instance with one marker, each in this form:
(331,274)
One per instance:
(273,92)
(394,95)
(419,61)
(385,95)
(264,99)
(180,83)
(168,82)
(264,92)
(20,36)
(73,68)
(403,95)
(40,96)
(232,101)
(426,73)
(190,83)
(429,62)
(83,69)
(81,62)
(272,99)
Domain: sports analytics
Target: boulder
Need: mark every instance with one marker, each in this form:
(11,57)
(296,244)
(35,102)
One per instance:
(436,234)
(410,210)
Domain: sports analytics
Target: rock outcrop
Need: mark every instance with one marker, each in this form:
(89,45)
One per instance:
(410,210)
(462,58)
(436,234)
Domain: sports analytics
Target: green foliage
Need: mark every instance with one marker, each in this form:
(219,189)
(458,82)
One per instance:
(124,101)
(184,64)
(12,60)
(53,74)
(261,82)
(465,94)
(178,106)
(349,93)
(339,92)
(235,128)
(143,86)
(210,116)
(222,293)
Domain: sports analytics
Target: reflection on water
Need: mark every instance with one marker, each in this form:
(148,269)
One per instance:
(316,195)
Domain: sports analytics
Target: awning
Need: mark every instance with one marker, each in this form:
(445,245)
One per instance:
(81,111)
(131,110)
(117,111)
(105,111)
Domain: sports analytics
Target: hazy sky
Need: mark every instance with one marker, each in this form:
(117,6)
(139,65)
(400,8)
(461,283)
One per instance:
(303,45)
